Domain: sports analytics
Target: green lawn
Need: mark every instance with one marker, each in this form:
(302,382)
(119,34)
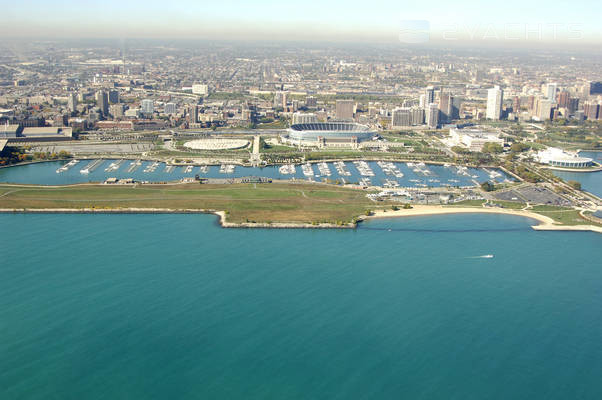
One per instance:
(244,202)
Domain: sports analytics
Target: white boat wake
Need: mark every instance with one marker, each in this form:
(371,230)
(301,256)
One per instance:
(485,256)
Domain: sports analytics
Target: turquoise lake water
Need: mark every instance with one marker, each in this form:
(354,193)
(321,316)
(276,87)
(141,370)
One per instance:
(590,181)
(175,307)
(45,174)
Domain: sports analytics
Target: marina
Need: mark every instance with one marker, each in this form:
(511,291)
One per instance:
(324,169)
(363,168)
(67,166)
(227,169)
(91,166)
(343,172)
(134,165)
(114,166)
(288,169)
(341,168)
(308,171)
(152,167)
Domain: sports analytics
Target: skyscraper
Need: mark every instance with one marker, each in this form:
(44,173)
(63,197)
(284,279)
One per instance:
(72,102)
(429,96)
(446,106)
(495,98)
(113,96)
(432,116)
(193,115)
(147,107)
(345,109)
(170,108)
(401,117)
(551,91)
(102,102)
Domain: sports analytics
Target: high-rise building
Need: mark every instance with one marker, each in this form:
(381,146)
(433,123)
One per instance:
(345,109)
(551,91)
(417,116)
(495,98)
(200,89)
(116,110)
(311,101)
(595,88)
(147,107)
(563,99)
(113,96)
(573,104)
(72,102)
(516,104)
(429,96)
(432,116)
(591,110)
(446,101)
(170,108)
(303,118)
(544,109)
(193,114)
(401,117)
(102,102)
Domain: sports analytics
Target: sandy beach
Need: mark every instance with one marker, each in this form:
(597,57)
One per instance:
(545,223)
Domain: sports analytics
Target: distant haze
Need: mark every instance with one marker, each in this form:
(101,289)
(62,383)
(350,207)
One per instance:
(511,22)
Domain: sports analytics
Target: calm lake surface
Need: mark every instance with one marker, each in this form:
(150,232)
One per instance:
(175,307)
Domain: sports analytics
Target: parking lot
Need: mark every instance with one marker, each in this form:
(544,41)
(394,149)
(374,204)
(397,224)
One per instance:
(103,148)
(533,195)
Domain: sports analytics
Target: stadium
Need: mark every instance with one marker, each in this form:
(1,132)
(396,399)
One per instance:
(328,134)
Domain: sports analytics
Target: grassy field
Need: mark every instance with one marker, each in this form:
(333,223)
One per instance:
(243,203)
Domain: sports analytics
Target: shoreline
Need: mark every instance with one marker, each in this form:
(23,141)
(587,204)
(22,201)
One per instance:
(545,223)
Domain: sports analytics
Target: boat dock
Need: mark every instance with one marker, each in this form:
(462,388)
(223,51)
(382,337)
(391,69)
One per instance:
(67,166)
(114,166)
(134,165)
(91,166)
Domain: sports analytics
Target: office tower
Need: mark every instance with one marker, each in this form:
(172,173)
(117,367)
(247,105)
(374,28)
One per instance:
(345,109)
(113,96)
(284,101)
(193,115)
(417,116)
(564,99)
(544,109)
(595,88)
(429,96)
(446,106)
(516,104)
(591,110)
(302,118)
(116,110)
(147,107)
(432,116)
(401,117)
(311,101)
(200,89)
(170,108)
(102,102)
(573,104)
(72,102)
(495,98)
(551,91)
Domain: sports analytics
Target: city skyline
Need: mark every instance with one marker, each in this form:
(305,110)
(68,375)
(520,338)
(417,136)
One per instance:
(511,23)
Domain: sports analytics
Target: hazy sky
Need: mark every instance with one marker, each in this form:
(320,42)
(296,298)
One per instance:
(351,20)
